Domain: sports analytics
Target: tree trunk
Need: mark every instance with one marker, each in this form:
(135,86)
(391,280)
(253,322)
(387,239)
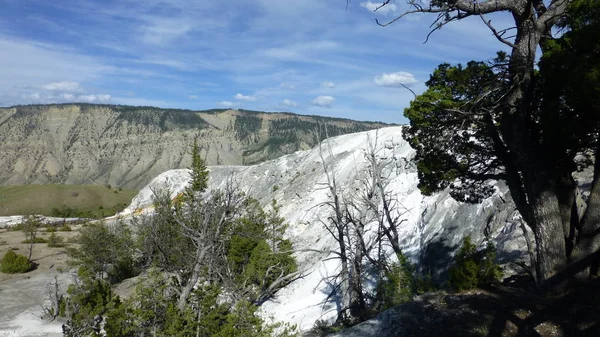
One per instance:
(551,254)
(346,298)
(587,247)
(193,279)
(566,191)
(358,305)
(538,178)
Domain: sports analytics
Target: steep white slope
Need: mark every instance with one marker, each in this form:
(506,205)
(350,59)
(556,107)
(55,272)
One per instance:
(434,227)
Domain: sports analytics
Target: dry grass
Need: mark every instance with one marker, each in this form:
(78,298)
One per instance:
(46,259)
(42,199)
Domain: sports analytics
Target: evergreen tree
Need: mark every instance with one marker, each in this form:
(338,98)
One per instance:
(198,175)
(507,120)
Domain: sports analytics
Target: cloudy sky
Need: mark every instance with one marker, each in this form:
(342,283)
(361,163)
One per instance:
(305,56)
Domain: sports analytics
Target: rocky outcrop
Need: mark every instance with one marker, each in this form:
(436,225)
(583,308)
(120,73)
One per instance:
(128,146)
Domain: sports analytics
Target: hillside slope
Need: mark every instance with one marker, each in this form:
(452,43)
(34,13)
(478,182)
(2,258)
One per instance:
(433,229)
(128,146)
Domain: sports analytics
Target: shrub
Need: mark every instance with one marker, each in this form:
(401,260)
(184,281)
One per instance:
(17,227)
(424,284)
(64,212)
(55,240)
(85,302)
(398,285)
(13,263)
(65,228)
(105,252)
(474,268)
(36,240)
(322,328)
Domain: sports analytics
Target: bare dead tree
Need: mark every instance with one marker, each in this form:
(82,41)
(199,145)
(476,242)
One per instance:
(364,223)
(31,226)
(392,212)
(55,297)
(337,226)
(205,225)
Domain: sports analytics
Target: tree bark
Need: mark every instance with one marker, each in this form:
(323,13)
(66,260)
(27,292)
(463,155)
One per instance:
(567,192)
(551,253)
(588,236)
(193,279)
(542,207)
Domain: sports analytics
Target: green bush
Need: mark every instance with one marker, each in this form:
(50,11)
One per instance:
(258,254)
(36,240)
(398,285)
(65,228)
(64,212)
(474,268)
(55,240)
(425,284)
(13,263)
(322,328)
(105,252)
(17,227)
(85,301)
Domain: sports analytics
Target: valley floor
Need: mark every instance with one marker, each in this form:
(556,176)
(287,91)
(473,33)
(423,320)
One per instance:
(22,295)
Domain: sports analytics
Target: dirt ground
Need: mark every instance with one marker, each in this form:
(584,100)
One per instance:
(498,311)
(22,295)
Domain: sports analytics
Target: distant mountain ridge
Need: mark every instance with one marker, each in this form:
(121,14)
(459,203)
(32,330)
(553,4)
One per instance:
(127,146)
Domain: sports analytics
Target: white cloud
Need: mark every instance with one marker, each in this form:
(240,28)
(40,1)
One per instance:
(162,31)
(372,6)
(226,103)
(64,86)
(323,101)
(327,84)
(244,98)
(93,98)
(395,79)
(289,103)
(193,97)
(54,97)
(164,62)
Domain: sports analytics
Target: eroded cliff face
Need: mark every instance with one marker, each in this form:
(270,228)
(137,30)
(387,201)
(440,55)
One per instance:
(432,230)
(128,146)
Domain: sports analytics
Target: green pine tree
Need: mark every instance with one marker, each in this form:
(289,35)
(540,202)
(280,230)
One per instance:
(199,174)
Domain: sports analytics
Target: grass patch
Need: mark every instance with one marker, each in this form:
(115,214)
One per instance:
(90,201)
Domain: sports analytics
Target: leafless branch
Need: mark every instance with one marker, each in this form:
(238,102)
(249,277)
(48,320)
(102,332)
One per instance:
(382,5)
(499,36)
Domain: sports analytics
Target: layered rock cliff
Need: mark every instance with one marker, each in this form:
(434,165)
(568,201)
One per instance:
(128,146)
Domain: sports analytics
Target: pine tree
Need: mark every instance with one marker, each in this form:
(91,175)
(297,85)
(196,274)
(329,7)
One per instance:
(199,174)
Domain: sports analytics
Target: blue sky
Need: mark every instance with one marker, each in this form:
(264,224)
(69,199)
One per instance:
(304,56)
